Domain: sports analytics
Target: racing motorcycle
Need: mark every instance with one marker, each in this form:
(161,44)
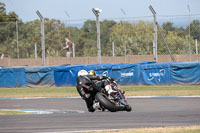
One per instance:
(113,102)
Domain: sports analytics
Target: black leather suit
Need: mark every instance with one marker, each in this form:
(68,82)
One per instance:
(88,85)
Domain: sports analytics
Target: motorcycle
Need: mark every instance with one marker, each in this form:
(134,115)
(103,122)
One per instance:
(113,102)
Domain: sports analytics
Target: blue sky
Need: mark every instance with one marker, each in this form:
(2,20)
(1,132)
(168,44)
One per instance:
(81,9)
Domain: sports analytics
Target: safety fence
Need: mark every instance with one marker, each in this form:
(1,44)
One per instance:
(145,73)
(119,37)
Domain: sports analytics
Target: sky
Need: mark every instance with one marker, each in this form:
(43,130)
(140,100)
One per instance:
(82,9)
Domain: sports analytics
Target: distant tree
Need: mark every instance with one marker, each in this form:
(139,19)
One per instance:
(89,29)
(132,39)
(12,16)
(7,31)
(168,26)
(181,32)
(195,29)
(106,45)
(89,37)
(2,8)
(176,43)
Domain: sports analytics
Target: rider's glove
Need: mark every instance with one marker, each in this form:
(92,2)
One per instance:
(109,78)
(122,91)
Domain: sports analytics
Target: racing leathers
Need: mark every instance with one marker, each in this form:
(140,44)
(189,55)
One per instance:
(88,85)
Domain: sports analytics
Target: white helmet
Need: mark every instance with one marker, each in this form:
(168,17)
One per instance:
(82,73)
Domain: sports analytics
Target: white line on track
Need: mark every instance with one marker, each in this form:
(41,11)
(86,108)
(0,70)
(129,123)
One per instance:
(83,131)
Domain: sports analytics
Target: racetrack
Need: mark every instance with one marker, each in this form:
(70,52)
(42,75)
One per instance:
(147,112)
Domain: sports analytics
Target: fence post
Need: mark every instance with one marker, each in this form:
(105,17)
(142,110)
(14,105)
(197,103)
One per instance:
(42,37)
(196,44)
(155,34)
(154,51)
(73,50)
(17,35)
(35,51)
(113,48)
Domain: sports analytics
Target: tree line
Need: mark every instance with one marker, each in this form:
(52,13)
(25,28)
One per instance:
(129,38)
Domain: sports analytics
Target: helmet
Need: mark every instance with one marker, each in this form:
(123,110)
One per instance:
(82,73)
(92,72)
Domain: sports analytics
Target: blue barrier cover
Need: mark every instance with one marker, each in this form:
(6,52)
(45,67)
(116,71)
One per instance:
(39,76)
(102,69)
(125,73)
(155,74)
(149,73)
(185,73)
(122,73)
(66,76)
(12,77)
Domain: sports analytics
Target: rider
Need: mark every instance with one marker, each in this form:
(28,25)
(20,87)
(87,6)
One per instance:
(88,83)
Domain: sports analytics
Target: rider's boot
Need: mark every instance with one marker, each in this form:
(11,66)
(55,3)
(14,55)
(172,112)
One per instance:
(96,106)
(91,109)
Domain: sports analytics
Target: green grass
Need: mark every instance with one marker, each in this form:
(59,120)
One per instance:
(12,112)
(140,90)
(166,90)
(38,92)
(178,129)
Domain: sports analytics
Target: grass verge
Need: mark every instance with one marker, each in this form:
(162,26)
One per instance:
(140,90)
(178,129)
(166,90)
(12,112)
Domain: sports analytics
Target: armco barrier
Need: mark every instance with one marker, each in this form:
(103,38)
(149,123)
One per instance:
(147,73)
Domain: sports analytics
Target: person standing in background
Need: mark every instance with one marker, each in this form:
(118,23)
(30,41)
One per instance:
(68,47)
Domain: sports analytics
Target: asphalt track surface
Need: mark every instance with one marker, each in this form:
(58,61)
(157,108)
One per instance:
(147,112)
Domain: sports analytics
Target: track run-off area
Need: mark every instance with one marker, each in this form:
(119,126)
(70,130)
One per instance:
(69,114)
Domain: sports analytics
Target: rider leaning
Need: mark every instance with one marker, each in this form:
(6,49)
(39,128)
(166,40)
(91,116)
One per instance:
(88,83)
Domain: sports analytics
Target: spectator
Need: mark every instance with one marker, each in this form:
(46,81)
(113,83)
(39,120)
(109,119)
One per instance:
(68,47)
